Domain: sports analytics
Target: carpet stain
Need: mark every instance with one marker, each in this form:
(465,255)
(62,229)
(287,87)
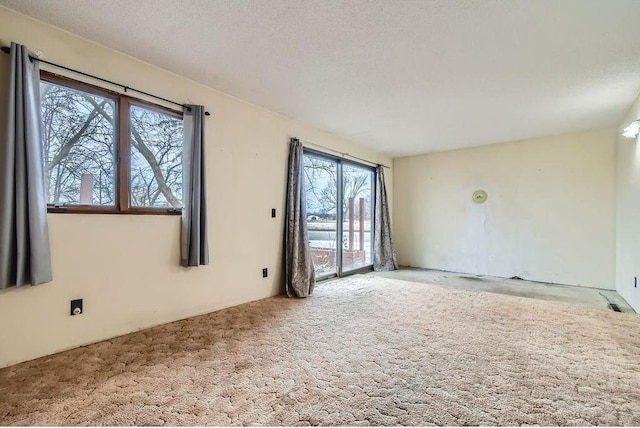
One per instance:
(363,350)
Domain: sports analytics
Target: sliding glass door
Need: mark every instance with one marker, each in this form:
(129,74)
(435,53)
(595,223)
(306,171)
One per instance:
(339,198)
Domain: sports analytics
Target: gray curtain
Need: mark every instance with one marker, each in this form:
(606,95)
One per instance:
(194,244)
(25,256)
(299,273)
(384,256)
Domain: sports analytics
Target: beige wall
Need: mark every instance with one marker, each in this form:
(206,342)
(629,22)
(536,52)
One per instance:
(628,212)
(549,216)
(126,267)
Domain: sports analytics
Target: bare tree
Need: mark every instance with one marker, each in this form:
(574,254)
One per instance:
(322,183)
(156,162)
(78,139)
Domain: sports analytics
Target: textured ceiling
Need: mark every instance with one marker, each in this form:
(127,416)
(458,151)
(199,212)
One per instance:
(403,77)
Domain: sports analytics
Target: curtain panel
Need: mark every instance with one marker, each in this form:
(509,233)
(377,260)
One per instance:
(384,255)
(25,255)
(299,272)
(194,243)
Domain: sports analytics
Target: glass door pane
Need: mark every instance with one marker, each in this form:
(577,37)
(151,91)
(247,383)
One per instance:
(357,209)
(321,185)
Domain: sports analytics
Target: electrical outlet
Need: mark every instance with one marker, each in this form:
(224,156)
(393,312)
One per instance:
(273,212)
(264,273)
(76,307)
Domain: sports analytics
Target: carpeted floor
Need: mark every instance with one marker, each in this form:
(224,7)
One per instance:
(362,351)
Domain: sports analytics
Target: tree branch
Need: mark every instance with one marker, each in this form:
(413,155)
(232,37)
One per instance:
(139,144)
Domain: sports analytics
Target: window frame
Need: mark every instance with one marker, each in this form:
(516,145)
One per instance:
(122,155)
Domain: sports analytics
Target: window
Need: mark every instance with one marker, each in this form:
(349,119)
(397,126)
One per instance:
(108,153)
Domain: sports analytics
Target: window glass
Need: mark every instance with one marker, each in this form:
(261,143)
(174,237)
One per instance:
(156,158)
(357,206)
(79,146)
(321,189)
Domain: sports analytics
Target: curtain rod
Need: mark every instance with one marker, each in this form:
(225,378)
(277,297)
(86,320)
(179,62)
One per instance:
(343,154)
(126,88)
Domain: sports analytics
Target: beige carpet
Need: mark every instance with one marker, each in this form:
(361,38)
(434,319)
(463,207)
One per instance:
(362,351)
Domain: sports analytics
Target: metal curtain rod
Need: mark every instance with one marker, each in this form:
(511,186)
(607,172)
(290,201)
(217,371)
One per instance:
(343,154)
(126,88)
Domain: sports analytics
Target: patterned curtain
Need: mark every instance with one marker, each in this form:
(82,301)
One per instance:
(299,273)
(384,256)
